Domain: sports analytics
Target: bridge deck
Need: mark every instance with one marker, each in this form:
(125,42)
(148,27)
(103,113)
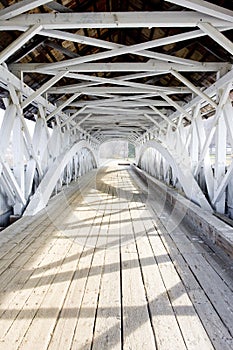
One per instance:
(98,270)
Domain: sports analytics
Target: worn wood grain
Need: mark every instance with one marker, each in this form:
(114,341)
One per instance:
(98,270)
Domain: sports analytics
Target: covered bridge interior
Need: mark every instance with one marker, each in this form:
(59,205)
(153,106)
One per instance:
(113,255)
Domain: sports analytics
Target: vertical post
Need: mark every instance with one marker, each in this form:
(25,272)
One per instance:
(194,143)
(228,111)
(220,160)
(207,176)
(31,165)
(18,159)
(194,146)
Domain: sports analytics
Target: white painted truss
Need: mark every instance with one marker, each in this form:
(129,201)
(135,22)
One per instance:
(182,156)
(172,146)
(51,158)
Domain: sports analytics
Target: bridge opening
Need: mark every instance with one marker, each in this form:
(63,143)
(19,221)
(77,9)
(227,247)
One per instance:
(118,150)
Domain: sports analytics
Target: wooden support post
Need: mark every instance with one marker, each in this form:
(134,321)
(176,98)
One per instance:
(18,160)
(220,162)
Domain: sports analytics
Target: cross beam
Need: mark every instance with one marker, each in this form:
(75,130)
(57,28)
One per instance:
(113,20)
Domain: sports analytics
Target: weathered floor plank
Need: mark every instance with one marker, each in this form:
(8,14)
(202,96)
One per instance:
(98,270)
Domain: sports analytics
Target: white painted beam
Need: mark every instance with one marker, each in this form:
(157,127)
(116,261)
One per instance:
(81,39)
(162,115)
(115,20)
(209,137)
(101,118)
(175,104)
(117,110)
(210,91)
(81,121)
(115,90)
(7,188)
(224,183)
(19,42)
(12,181)
(111,100)
(63,105)
(29,145)
(13,94)
(20,7)
(193,88)
(153,121)
(123,104)
(117,81)
(74,115)
(113,53)
(43,88)
(220,162)
(18,160)
(142,52)
(150,66)
(227,179)
(206,7)
(6,128)
(110,45)
(228,120)
(194,141)
(9,79)
(217,36)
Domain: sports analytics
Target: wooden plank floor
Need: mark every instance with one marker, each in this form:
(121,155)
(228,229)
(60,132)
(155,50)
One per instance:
(98,270)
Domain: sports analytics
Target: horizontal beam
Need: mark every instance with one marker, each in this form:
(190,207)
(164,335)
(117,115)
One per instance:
(139,98)
(113,127)
(150,66)
(113,117)
(114,90)
(118,103)
(117,81)
(113,132)
(114,20)
(117,52)
(117,110)
(139,49)
(143,125)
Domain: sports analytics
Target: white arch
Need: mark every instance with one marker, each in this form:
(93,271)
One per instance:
(181,169)
(40,198)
